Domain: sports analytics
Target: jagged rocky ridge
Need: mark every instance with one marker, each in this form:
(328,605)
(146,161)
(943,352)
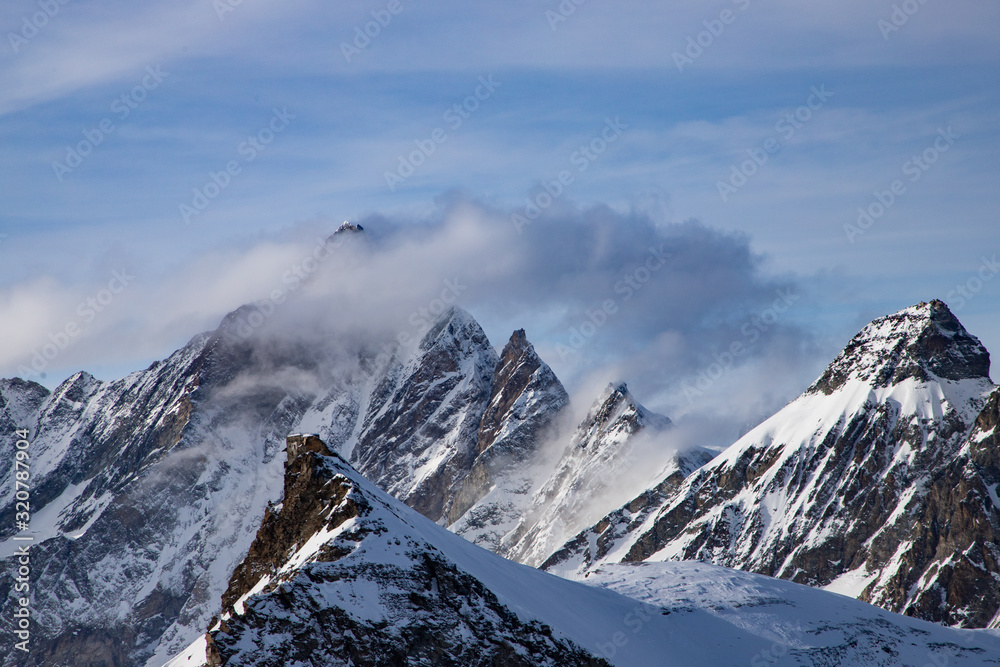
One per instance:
(878,482)
(342,574)
(150,488)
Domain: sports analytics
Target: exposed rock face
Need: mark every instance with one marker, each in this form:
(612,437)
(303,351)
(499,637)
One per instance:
(920,343)
(151,488)
(867,483)
(953,569)
(525,402)
(419,432)
(340,575)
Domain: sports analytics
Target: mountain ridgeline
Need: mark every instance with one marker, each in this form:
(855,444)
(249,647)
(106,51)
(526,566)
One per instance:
(167,497)
(879,481)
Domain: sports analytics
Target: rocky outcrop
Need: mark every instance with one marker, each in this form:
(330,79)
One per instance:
(338,575)
(299,516)
(917,343)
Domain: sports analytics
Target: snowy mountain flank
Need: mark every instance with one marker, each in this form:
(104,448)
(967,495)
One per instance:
(602,465)
(342,574)
(167,497)
(878,482)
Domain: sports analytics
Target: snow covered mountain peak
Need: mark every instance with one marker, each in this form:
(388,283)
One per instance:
(845,487)
(521,378)
(349,228)
(618,447)
(920,342)
(616,415)
(525,404)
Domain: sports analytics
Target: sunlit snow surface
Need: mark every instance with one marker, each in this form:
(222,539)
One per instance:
(684,614)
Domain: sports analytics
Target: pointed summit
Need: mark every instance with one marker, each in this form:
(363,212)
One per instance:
(349,228)
(519,370)
(617,445)
(616,415)
(424,414)
(525,401)
(919,342)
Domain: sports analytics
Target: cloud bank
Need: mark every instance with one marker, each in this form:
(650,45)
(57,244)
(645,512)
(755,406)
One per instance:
(685,313)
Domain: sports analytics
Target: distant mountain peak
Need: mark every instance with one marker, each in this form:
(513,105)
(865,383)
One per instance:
(616,409)
(349,228)
(918,342)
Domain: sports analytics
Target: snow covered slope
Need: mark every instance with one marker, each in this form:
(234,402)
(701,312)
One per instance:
(617,448)
(342,574)
(867,483)
(539,501)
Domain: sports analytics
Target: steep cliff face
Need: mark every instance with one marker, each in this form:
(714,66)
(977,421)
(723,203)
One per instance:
(419,432)
(846,486)
(526,401)
(951,573)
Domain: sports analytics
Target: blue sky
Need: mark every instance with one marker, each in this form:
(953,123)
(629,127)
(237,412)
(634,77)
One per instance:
(184,84)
